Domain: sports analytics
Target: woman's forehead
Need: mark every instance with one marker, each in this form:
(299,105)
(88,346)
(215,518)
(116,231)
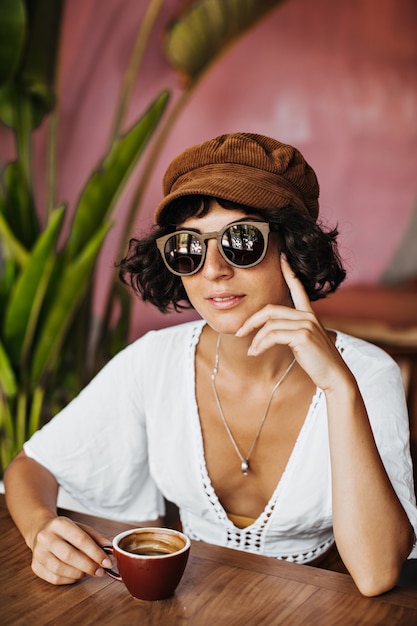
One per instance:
(216,217)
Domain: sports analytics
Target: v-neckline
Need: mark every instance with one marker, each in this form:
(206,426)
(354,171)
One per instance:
(207,487)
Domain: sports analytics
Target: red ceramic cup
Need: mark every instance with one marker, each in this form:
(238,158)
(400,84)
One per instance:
(151,561)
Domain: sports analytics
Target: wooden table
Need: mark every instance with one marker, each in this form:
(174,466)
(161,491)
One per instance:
(220,587)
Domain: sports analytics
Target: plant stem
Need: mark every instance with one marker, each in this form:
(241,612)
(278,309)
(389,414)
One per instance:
(35,411)
(52,139)
(132,70)
(7,438)
(20,435)
(52,162)
(23,124)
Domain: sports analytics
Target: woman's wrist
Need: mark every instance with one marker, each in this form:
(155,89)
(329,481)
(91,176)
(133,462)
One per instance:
(342,388)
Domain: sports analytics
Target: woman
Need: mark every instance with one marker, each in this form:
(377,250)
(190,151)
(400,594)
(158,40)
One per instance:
(270,433)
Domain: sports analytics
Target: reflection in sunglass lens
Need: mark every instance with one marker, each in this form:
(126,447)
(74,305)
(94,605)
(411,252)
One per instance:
(243,244)
(183,252)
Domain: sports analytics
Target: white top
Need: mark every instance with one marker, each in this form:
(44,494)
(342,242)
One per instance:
(133,436)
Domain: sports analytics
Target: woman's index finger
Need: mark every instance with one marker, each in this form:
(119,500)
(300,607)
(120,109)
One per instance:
(298,293)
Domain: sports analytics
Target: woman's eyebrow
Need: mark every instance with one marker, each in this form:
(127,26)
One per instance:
(193,230)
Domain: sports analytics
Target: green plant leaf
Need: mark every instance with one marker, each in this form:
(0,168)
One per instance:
(70,290)
(12,248)
(30,288)
(113,330)
(37,74)
(8,276)
(8,382)
(18,208)
(106,183)
(7,104)
(29,40)
(12,37)
(194,40)
(8,446)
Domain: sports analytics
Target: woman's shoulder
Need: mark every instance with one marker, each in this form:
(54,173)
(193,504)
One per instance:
(363,357)
(179,332)
(157,343)
(360,347)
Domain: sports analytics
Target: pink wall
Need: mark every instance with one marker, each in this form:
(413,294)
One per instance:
(336,79)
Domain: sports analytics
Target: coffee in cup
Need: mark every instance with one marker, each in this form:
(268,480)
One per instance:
(150,561)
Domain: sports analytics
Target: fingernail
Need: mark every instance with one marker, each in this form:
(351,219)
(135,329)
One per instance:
(99,572)
(106,563)
(252,351)
(239,332)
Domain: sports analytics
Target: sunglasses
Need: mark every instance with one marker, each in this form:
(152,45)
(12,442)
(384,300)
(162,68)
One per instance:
(241,244)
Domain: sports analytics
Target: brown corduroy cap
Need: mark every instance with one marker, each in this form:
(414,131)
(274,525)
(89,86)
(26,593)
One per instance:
(245,168)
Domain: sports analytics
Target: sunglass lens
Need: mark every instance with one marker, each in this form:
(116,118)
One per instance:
(243,244)
(183,252)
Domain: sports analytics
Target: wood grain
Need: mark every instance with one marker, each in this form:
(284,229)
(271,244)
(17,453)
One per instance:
(220,587)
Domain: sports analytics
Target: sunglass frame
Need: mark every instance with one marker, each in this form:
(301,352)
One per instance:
(263,227)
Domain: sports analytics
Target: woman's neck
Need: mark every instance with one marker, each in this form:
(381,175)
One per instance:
(233,355)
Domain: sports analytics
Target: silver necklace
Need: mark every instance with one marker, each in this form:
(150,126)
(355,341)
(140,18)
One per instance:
(244,460)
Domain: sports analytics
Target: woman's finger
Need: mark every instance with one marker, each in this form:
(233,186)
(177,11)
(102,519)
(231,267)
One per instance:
(261,317)
(68,552)
(298,293)
(83,538)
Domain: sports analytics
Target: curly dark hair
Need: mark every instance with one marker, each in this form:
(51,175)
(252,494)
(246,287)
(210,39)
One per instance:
(310,249)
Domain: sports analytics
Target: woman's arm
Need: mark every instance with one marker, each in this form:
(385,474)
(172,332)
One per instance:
(372,531)
(62,551)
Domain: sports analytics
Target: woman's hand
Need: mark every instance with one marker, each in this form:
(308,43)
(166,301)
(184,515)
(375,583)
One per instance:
(64,552)
(367,513)
(300,329)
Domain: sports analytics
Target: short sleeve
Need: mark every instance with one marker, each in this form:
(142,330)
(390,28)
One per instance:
(97,446)
(381,385)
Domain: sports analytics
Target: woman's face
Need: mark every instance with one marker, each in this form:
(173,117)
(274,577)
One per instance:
(223,295)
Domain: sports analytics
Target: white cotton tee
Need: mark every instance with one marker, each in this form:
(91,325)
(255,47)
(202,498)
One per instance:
(133,436)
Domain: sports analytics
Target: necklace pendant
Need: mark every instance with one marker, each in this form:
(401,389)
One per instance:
(244,467)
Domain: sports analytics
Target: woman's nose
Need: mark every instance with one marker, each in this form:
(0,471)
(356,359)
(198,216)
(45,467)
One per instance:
(215,266)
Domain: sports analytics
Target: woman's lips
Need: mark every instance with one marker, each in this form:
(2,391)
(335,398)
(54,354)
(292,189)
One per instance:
(225,301)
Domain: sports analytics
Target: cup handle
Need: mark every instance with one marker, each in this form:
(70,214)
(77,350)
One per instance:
(111,572)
